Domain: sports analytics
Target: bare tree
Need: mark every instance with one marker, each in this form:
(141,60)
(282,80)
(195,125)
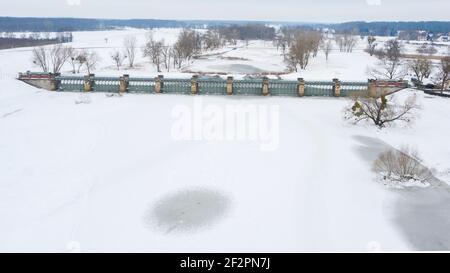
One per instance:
(350,42)
(80,59)
(59,55)
(230,35)
(443,77)
(177,53)
(327,46)
(371,45)
(91,61)
(186,46)
(340,42)
(388,69)
(390,65)
(154,51)
(299,53)
(73,53)
(281,42)
(401,166)
(118,58)
(212,39)
(40,58)
(130,44)
(301,49)
(380,111)
(52,59)
(421,67)
(198,42)
(315,39)
(167,54)
(291,60)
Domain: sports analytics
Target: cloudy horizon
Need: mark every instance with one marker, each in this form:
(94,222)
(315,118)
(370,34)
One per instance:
(326,11)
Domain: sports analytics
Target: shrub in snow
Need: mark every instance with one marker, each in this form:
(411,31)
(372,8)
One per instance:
(113,95)
(381,111)
(401,166)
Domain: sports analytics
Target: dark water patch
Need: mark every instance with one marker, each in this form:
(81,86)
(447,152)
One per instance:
(187,211)
(238,68)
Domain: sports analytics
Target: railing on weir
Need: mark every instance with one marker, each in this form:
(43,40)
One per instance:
(213,85)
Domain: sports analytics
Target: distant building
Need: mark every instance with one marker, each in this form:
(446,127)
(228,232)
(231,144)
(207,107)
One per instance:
(422,35)
(415,35)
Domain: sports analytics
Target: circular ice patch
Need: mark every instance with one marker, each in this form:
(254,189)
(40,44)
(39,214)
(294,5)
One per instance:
(187,210)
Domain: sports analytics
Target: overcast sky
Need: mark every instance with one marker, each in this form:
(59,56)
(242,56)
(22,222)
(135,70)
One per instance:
(267,10)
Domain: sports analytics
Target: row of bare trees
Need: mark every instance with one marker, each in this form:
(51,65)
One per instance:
(392,66)
(346,41)
(231,34)
(130,49)
(53,59)
(188,44)
(160,54)
(299,45)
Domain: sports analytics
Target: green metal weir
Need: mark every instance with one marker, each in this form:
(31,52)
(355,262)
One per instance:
(211,85)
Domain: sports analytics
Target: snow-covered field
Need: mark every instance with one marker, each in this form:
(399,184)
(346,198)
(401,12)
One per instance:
(235,60)
(102,174)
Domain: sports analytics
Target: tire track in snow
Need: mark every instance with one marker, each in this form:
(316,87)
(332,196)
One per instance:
(11,113)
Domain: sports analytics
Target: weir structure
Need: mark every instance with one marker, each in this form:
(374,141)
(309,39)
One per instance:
(211,85)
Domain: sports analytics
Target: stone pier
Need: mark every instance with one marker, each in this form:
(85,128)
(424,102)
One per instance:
(301,87)
(230,86)
(265,86)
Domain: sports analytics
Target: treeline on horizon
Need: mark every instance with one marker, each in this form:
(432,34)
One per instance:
(28,24)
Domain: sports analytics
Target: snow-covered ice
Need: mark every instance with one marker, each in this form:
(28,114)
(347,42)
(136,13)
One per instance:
(94,176)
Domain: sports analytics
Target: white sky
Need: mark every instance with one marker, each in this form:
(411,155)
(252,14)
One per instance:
(267,10)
